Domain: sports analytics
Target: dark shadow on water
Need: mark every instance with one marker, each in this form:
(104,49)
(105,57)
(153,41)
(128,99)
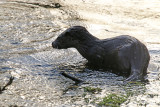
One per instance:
(46,65)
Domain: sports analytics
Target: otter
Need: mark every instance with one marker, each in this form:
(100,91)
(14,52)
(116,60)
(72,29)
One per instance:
(123,54)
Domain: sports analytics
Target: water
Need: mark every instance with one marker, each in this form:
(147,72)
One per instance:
(26,34)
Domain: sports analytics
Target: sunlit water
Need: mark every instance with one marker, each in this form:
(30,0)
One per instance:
(26,34)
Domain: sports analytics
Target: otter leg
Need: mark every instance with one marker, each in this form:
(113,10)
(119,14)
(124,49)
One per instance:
(135,75)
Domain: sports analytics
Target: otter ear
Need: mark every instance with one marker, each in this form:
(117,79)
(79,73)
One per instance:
(67,33)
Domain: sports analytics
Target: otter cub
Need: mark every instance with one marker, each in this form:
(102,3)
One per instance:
(121,54)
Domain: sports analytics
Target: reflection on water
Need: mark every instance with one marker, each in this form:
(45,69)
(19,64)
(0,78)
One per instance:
(26,34)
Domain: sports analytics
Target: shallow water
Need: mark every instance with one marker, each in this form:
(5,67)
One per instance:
(27,31)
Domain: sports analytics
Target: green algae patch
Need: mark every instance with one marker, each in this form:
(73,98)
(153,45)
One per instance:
(92,90)
(113,100)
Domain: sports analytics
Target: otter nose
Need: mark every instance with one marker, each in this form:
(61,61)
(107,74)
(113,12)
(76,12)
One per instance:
(55,45)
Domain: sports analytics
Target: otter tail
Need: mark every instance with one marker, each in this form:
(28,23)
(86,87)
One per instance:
(139,62)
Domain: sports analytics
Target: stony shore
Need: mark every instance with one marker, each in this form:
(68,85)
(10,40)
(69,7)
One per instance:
(27,28)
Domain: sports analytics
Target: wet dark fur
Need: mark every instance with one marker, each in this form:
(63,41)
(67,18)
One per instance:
(121,54)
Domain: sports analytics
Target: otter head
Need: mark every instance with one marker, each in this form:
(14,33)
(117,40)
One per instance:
(72,37)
